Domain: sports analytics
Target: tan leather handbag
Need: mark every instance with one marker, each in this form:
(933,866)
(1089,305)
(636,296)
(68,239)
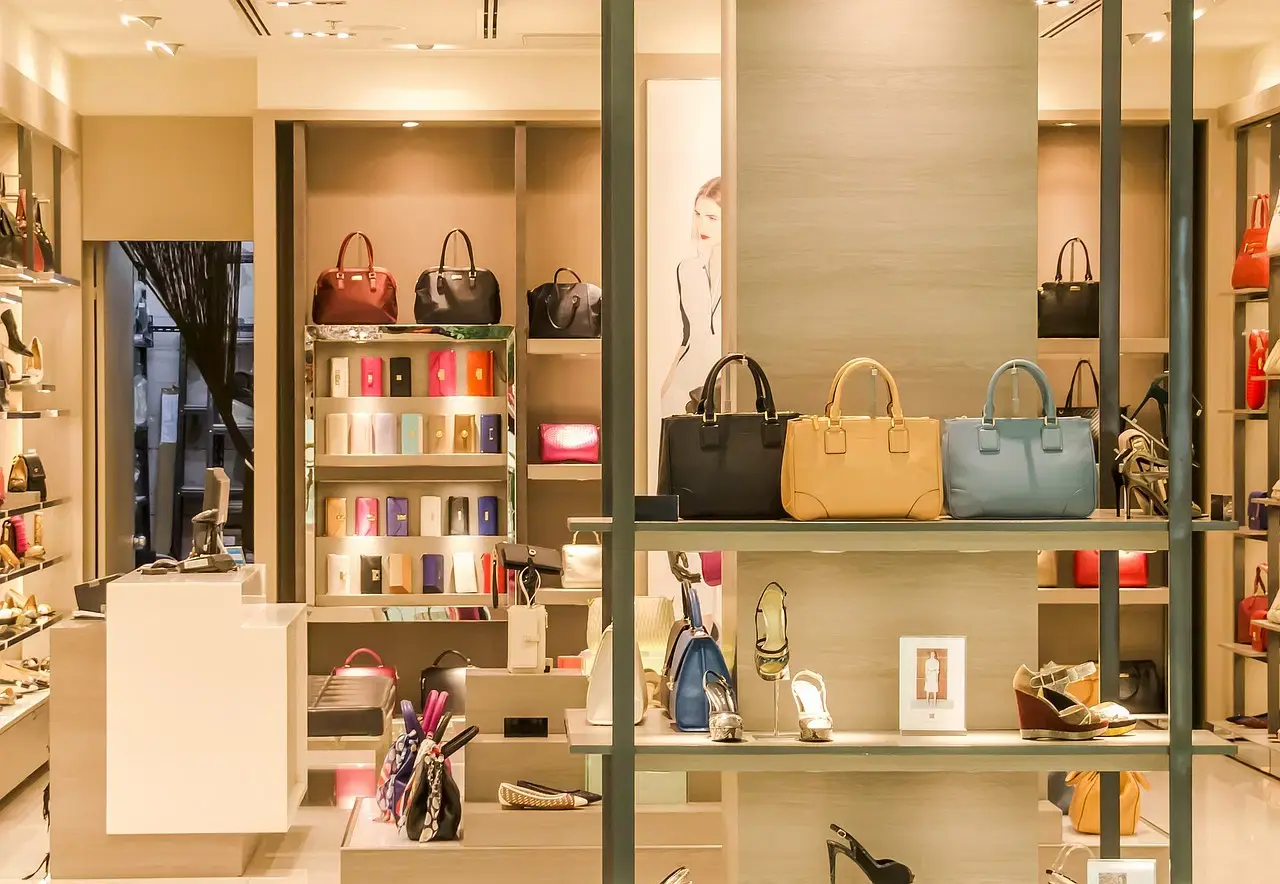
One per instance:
(836,467)
(1085,801)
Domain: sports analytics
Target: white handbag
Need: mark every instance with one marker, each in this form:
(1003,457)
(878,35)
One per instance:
(527,629)
(362,433)
(338,382)
(582,564)
(337,429)
(429,517)
(600,684)
(338,573)
(1273,242)
(655,615)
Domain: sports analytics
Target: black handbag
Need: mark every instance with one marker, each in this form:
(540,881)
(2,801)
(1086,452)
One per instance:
(1091,413)
(26,473)
(433,805)
(457,295)
(565,309)
(1069,309)
(446,678)
(13,244)
(726,466)
(512,559)
(1141,690)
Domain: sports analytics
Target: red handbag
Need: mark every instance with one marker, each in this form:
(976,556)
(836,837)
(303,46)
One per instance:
(1258,637)
(1255,373)
(1252,607)
(381,669)
(362,296)
(1133,568)
(1253,267)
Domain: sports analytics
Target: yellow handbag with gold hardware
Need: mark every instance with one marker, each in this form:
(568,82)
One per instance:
(1085,801)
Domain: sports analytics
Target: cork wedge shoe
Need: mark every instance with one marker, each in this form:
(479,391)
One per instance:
(1048,714)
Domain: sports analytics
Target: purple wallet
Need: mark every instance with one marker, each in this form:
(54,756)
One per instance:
(487,510)
(490,434)
(397,517)
(433,572)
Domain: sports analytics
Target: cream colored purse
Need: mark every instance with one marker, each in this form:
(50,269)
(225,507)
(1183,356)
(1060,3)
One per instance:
(836,467)
(655,615)
(582,564)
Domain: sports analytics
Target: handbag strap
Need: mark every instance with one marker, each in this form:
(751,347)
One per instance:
(555,280)
(1070,244)
(358,651)
(411,723)
(1075,376)
(1046,392)
(342,249)
(764,394)
(471,255)
(1259,212)
(522,584)
(837,386)
(451,652)
(1259,583)
(459,741)
(679,563)
(595,534)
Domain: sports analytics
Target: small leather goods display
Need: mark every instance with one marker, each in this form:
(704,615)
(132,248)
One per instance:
(1019,468)
(429,516)
(439,433)
(371,575)
(464,434)
(1252,607)
(726,465)
(376,667)
(479,377)
(442,373)
(26,473)
(1086,801)
(1141,689)
(583,564)
(384,433)
(335,517)
(565,309)
(569,443)
(410,434)
(490,432)
(465,578)
(836,467)
(366,517)
(338,576)
(1046,568)
(457,295)
(370,376)
(694,653)
(432,572)
(1069,309)
(1257,510)
(337,433)
(397,517)
(449,678)
(1133,568)
(600,683)
(360,296)
(1255,372)
(527,627)
(1252,268)
(487,514)
(339,378)
(400,370)
(399,574)
(362,433)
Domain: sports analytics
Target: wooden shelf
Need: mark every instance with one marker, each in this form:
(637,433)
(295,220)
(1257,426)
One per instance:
(31,568)
(12,635)
(1243,650)
(34,415)
(554,595)
(563,347)
(1250,534)
(1267,625)
(1081,346)
(408,333)
(1249,294)
(1245,414)
(382,461)
(405,600)
(32,507)
(26,705)
(1073,595)
(564,472)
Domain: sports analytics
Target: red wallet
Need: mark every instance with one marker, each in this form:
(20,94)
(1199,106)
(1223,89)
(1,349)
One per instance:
(442,373)
(366,517)
(370,375)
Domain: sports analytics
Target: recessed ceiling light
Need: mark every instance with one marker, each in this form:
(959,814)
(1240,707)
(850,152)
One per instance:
(147,20)
(297,35)
(163,48)
(287,3)
(410,124)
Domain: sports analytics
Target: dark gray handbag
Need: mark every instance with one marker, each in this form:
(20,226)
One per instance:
(1069,309)
(457,295)
(565,309)
(1091,413)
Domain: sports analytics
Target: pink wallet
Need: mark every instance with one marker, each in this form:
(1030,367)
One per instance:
(442,373)
(569,443)
(366,517)
(370,375)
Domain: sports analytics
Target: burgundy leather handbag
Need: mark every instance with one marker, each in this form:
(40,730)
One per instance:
(1252,607)
(569,443)
(380,669)
(360,296)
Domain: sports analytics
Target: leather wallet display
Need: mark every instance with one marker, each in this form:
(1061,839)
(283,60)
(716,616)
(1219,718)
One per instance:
(362,433)
(464,434)
(366,517)
(337,434)
(370,375)
(338,574)
(442,373)
(479,379)
(429,517)
(459,516)
(335,517)
(397,517)
(399,574)
(439,433)
(401,368)
(464,573)
(433,572)
(490,433)
(487,512)
(410,434)
(339,378)
(384,433)
(371,575)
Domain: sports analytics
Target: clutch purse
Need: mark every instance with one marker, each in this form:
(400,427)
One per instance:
(362,433)
(337,433)
(366,517)
(429,517)
(335,517)
(384,433)
(442,370)
(487,511)
(397,517)
(569,443)
(439,433)
(399,574)
(459,516)
(410,434)
(433,572)
(464,434)
(490,434)
(370,375)
(479,381)
(464,574)
(401,376)
(338,574)
(371,575)
(339,383)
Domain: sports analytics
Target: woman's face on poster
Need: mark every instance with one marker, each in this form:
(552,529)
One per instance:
(706,222)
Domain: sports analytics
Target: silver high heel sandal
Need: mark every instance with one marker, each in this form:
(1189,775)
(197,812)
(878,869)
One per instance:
(810,693)
(724,722)
(773,653)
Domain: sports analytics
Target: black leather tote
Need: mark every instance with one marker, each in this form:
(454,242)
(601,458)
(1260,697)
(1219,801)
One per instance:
(1091,413)
(726,466)
(457,295)
(1069,309)
(565,309)
(451,678)
(1141,690)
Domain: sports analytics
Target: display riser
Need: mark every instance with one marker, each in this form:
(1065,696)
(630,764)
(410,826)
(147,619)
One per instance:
(687,825)
(494,759)
(495,694)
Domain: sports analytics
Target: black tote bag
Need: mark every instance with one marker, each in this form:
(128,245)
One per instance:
(1069,309)
(457,295)
(565,309)
(726,466)
(1092,413)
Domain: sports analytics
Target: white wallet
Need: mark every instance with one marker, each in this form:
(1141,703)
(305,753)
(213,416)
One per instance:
(526,638)
(362,433)
(464,573)
(384,433)
(339,383)
(339,574)
(336,433)
(429,517)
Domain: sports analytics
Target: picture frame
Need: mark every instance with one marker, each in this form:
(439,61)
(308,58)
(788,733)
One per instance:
(1121,871)
(931,684)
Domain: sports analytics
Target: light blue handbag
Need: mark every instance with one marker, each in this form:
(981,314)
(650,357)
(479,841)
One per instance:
(1019,467)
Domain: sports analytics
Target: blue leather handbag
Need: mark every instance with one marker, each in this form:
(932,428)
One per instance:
(1019,467)
(693,654)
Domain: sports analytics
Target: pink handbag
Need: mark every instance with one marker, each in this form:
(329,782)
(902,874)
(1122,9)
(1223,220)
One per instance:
(381,669)
(569,443)
(442,373)
(366,517)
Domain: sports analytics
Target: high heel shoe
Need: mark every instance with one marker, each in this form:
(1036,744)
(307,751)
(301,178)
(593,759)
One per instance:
(35,552)
(878,871)
(33,365)
(810,693)
(679,876)
(724,722)
(1048,714)
(11,328)
(1054,676)
(773,654)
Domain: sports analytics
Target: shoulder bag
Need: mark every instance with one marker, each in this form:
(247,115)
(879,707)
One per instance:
(565,309)
(457,295)
(1091,413)
(1253,607)
(450,680)
(1252,269)
(600,683)
(379,668)
(361,296)
(839,467)
(1017,467)
(694,653)
(1086,801)
(26,473)
(1069,309)
(527,627)
(726,466)
(1085,566)
(433,808)
(1141,688)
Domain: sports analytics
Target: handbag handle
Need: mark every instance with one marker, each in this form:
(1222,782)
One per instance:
(1260,211)
(764,394)
(522,587)
(555,280)
(342,249)
(411,723)
(1075,376)
(595,534)
(577,301)
(679,563)
(1046,393)
(1070,244)
(471,255)
(837,386)
(461,656)
(358,651)
(1259,584)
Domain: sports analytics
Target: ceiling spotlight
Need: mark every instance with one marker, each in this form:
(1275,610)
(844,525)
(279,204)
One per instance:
(163,48)
(410,124)
(1066,125)
(1155,36)
(147,20)
(297,35)
(1151,36)
(287,3)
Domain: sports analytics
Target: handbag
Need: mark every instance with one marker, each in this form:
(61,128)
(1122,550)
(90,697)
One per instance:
(1086,801)
(654,615)
(1141,689)
(527,627)
(1252,269)
(1253,607)
(355,297)
(694,654)
(511,559)
(726,465)
(1046,568)
(433,805)
(1257,510)
(398,765)
(1069,309)
(457,295)
(1255,370)
(1258,636)
(379,668)
(451,679)
(569,443)
(1019,468)
(26,473)
(1091,413)
(565,309)
(600,683)
(43,258)
(1133,568)
(583,564)
(838,467)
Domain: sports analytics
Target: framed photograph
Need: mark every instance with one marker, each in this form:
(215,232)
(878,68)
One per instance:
(1121,871)
(931,678)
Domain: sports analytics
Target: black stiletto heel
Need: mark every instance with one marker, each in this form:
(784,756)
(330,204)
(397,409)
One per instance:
(878,871)
(11,328)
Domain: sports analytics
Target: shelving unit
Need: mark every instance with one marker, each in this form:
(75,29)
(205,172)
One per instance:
(11,636)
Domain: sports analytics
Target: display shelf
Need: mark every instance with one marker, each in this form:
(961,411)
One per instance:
(476,543)
(413,404)
(564,472)
(1245,414)
(1248,294)
(1267,625)
(397,600)
(555,595)
(48,281)
(1250,534)
(31,568)
(660,747)
(1145,835)
(1240,649)
(34,415)
(1075,595)
(407,333)
(32,388)
(442,461)
(1078,346)
(11,635)
(1102,531)
(25,706)
(563,347)
(32,507)
(1229,731)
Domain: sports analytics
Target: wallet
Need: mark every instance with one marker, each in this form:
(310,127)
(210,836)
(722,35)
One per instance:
(490,434)
(464,434)
(370,375)
(410,434)
(335,517)
(398,516)
(464,573)
(399,574)
(339,385)
(362,433)
(459,516)
(479,380)
(338,573)
(371,575)
(433,572)
(429,517)
(439,433)
(487,512)
(337,432)
(384,433)
(401,375)
(442,369)
(366,517)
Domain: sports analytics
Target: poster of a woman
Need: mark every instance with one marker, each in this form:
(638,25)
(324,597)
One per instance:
(698,298)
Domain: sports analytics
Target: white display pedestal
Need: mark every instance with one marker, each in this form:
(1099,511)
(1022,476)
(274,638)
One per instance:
(206,705)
